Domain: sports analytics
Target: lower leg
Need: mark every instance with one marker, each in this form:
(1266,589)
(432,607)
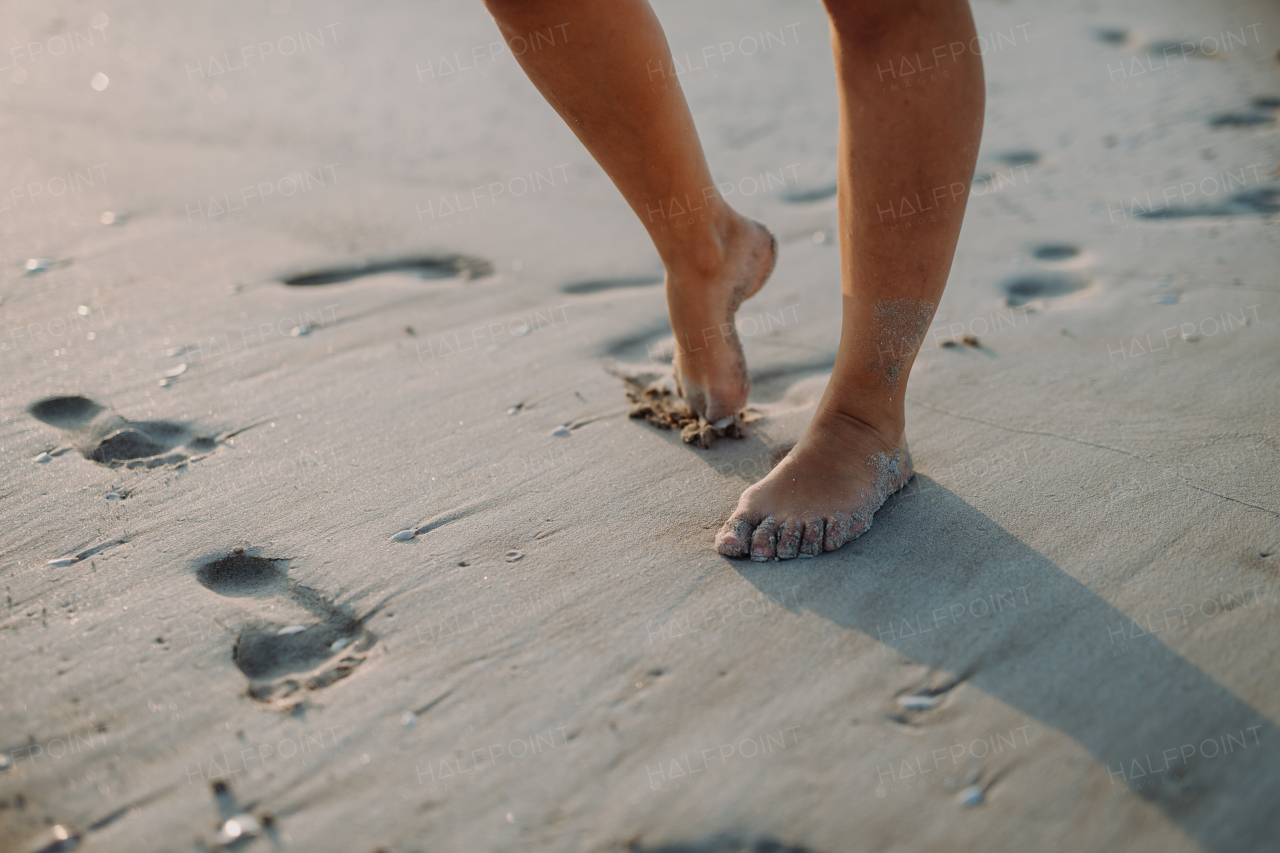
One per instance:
(908,145)
(608,73)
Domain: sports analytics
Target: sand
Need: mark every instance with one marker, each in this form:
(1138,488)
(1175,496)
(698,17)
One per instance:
(1057,637)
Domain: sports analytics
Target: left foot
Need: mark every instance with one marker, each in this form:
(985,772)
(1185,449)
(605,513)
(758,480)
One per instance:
(823,493)
(710,369)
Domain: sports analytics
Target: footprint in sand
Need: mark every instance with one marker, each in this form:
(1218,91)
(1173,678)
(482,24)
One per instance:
(105,437)
(292,637)
(1054,252)
(1111,35)
(597,285)
(1241,119)
(1255,201)
(807,195)
(1024,288)
(1019,157)
(465,267)
(716,844)
(911,704)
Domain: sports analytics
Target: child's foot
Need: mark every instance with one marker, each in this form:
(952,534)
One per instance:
(710,370)
(823,493)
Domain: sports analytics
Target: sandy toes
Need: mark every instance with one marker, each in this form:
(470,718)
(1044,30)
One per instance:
(823,494)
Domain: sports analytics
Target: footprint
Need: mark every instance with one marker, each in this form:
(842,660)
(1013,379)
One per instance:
(105,437)
(1026,287)
(465,267)
(294,637)
(1054,252)
(596,285)
(1261,201)
(715,844)
(1020,157)
(803,195)
(1111,35)
(1241,119)
(910,704)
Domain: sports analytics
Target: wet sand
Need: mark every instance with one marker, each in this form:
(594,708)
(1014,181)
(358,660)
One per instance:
(358,279)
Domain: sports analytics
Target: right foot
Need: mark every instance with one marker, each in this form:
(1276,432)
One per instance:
(710,369)
(823,493)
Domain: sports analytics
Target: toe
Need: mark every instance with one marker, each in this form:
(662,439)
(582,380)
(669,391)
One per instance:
(734,539)
(837,532)
(789,535)
(811,542)
(844,528)
(764,542)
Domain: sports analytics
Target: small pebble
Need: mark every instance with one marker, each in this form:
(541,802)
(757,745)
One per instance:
(171,352)
(176,371)
(4,762)
(82,310)
(38,265)
(292,629)
(513,556)
(114,496)
(408,719)
(514,410)
(299,331)
(339,645)
(917,703)
(100,82)
(165,383)
(63,561)
(970,341)
(108,217)
(723,423)
(240,826)
(561,432)
(404,536)
(43,456)
(819,237)
(1165,298)
(970,796)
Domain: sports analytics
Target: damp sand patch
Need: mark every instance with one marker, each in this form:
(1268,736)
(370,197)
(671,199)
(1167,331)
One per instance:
(663,409)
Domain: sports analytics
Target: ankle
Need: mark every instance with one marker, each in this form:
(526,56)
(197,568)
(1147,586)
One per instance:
(700,251)
(886,422)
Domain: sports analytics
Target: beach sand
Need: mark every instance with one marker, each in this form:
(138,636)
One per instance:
(1057,637)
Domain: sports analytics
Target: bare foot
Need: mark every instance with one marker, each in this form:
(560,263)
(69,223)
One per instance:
(710,370)
(822,494)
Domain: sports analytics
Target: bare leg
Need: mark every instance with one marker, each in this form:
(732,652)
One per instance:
(607,74)
(916,145)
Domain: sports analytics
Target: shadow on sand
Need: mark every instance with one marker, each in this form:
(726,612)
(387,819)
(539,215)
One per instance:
(1145,715)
